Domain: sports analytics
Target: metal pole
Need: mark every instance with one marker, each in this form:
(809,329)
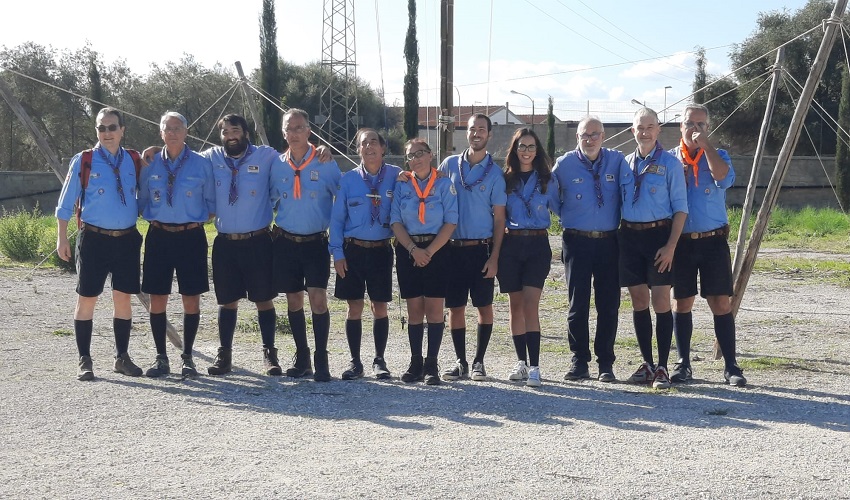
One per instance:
(446,120)
(249,97)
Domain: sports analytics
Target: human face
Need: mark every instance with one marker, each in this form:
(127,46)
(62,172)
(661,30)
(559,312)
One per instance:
(234,139)
(590,137)
(695,122)
(420,165)
(109,139)
(174,134)
(296,131)
(370,149)
(477,134)
(526,150)
(646,132)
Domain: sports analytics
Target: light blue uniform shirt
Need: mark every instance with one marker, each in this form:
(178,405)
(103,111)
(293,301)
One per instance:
(662,188)
(319,183)
(102,205)
(706,202)
(253,207)
(580,201)
(193,192)
(477,194)
(440,206)
(528,208)
(352,214)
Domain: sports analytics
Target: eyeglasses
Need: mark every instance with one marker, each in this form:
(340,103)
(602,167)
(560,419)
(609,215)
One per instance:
(591,137)
(416,154)
(104,128)
(173,130)
(696,125)
(297,130)
(526,147)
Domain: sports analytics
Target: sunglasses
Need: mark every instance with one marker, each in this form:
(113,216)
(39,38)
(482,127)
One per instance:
(104,128)
(416,154)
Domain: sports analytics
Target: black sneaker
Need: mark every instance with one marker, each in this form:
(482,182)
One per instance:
(160,367)
(223,362)
(459,371)
(379,368)
(188,369)
(578,370)
(125,365)
(734,376)
(322,372)
(414,372)
(86,373)
(682,372)
(354,371)
(300,365)
(431,372)
(606,373)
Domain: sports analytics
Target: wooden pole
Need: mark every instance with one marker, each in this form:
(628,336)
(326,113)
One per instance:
(446,119)
(772,193)
(249,97)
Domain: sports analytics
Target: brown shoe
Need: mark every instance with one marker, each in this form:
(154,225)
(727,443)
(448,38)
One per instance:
(271,363)
(85,373)
(125,365)
(223,362)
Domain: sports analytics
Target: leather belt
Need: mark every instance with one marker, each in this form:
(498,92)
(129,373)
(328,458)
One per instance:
(108,232)
(299,238)
(469,243)
(721,231)
(175,228)
(528,232)
(244,236)
(422,238)
(368,243)
(640,226)
(590,234)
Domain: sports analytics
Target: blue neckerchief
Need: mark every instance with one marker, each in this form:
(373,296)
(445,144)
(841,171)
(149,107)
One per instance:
(594,167)
(172,174)
(651,160)
(373,188)
(519,189)
(116,169)
(234,169)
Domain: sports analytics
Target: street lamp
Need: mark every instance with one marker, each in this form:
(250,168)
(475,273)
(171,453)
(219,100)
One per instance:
(638,103)
(665,101)
(532,106)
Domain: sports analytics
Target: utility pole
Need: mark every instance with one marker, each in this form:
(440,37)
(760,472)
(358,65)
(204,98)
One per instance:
(446,120)
(249,98)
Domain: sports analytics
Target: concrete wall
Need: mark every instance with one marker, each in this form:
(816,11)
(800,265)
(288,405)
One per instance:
(806,182)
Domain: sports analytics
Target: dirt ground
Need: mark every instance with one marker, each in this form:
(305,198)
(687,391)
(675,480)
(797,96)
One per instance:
(250,436)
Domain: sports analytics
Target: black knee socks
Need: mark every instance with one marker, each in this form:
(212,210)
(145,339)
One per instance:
(354,333)
(643,332)
(519,346)
(190,331)
(664,336)
(532,341)
(226,326)
(459,341)
(158,324)
(122,327)
(381,331)
(321,329)
(683,329)
(483,340)
(415,335)
(435,338)
(298,325)
(724,330)
(82,334)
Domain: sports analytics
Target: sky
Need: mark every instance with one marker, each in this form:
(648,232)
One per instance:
(595,56)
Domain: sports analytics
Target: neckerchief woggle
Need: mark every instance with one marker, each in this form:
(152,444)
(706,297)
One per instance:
(116,169)
(373,189)
(651,160)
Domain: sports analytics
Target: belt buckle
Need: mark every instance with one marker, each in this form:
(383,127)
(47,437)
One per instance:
(695,236)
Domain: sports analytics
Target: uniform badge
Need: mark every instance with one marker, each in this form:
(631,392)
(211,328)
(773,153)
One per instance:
(483,188)
(707,191)
(578,196)
(314,175)
(156,196)
(218,183)
(452,189)
(578,180)
(253,169)
(312,195)
(430,205)
(609,177)
(652,190)
(94,175)
(155,177)
(188,194)
(100,191)
(389,193)
(284,195)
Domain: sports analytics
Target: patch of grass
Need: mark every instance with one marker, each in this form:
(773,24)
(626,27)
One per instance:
(820,229)
(766,363)
(20,234)
(835,272)
(62,332)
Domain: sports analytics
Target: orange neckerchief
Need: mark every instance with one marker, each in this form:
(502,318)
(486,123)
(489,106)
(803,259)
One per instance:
(296,189)
(419,193)
(686,156)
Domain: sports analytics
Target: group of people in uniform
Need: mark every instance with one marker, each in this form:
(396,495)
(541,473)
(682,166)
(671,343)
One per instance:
(648,221)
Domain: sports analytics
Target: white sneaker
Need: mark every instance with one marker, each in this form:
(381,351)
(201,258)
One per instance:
(533,377)
(520,371)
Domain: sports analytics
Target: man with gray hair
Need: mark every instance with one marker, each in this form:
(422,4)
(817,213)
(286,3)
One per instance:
(177,196)
(590,214)
(704,248)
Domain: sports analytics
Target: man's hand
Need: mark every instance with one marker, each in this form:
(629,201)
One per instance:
(63,249)
(664,258)
(491,267)
(341,267)
(324,153)
(700,137)
(148,155)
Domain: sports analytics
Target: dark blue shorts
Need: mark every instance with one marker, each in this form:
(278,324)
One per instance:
(301,265)
(637,256)
(183,252)
(465,277)
(242,268)
(369,270)
(524,261)
(98,255)
(428,281)
(711,259)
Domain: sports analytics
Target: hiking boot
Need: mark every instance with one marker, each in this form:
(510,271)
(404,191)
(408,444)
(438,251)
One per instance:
(270,362)
(459,371)
(478,372)
(533,377)
(300,365)
(733,375)
(431,371)
(661,379)
(188,369)
(644,374)
(380,370)
(160,367)
(354,371)
(414,372)
(520,371)
(125,365)
(682,372)
(578,370)
(606,373)
(322,372)
(86,373)
(223,362)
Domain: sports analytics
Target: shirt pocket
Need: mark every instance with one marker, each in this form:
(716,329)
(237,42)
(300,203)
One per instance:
(359,210)
(157,189)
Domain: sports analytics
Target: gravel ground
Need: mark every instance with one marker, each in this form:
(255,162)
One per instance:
(250,436)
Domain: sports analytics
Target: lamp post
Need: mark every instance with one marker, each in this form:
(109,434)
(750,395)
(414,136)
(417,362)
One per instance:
(665,101)
(638,103)
(532,106)
(457,118)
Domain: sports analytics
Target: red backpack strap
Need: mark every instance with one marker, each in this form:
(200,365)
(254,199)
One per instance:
(85,172)
(137,161)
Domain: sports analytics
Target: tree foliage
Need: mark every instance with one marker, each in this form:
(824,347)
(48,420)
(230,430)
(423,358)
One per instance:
(270,75)
(700,77)
(842,150)
(411,77)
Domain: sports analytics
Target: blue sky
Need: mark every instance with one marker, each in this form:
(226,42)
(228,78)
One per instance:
(604,53)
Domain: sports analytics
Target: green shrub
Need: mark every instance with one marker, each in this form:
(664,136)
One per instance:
(20,234)
(47,248)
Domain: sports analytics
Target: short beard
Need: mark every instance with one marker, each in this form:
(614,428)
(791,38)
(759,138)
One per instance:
(238,149)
